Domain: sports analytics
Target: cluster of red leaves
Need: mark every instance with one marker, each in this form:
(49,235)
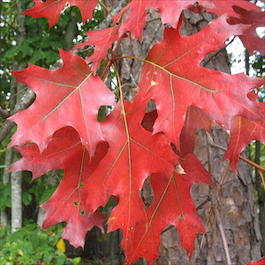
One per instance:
(114,157)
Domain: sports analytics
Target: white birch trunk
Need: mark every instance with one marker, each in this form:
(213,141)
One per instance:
(16,177)
(8,160)
(16,197)
(41,215)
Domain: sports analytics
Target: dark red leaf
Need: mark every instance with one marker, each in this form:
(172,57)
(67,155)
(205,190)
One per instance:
(174,79)
(51,9)
(172,205)
(195,119)
(102,40)
(250,38)
(133,155)
(243,131)
(67,204)
(63,97)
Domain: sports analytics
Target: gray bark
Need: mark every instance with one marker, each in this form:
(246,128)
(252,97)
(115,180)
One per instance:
(41,215)
(5,180)
(16,177)
(23,103)
(16,191)
(130,68)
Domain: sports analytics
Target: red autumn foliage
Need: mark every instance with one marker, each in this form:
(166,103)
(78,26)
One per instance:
(51,9)
(115,157)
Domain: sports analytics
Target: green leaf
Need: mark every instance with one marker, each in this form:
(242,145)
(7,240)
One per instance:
(26,198)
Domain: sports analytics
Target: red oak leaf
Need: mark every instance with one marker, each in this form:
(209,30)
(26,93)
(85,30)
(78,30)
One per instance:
(135,17)
(67,204)
(69,96)
(227,7)
(133,155)
(195,119)
(250,38)
(51,9)
(60,150)
(102,39)
(242,132)
(135,20)
(173,78)
(170,11)
(172,205)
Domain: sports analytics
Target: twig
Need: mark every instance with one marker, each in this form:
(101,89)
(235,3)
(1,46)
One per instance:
(241,157)
(203,203)
(216,196)
(224,241)
(5,129)
(153,19)
(104,6)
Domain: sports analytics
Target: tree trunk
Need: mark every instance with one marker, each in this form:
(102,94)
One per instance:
(5,180)
(16,177)
(16,191)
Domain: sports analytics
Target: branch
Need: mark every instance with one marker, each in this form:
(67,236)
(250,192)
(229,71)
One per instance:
(25,102)
(5,130)
(241,157)
(104,6)
(223,237)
